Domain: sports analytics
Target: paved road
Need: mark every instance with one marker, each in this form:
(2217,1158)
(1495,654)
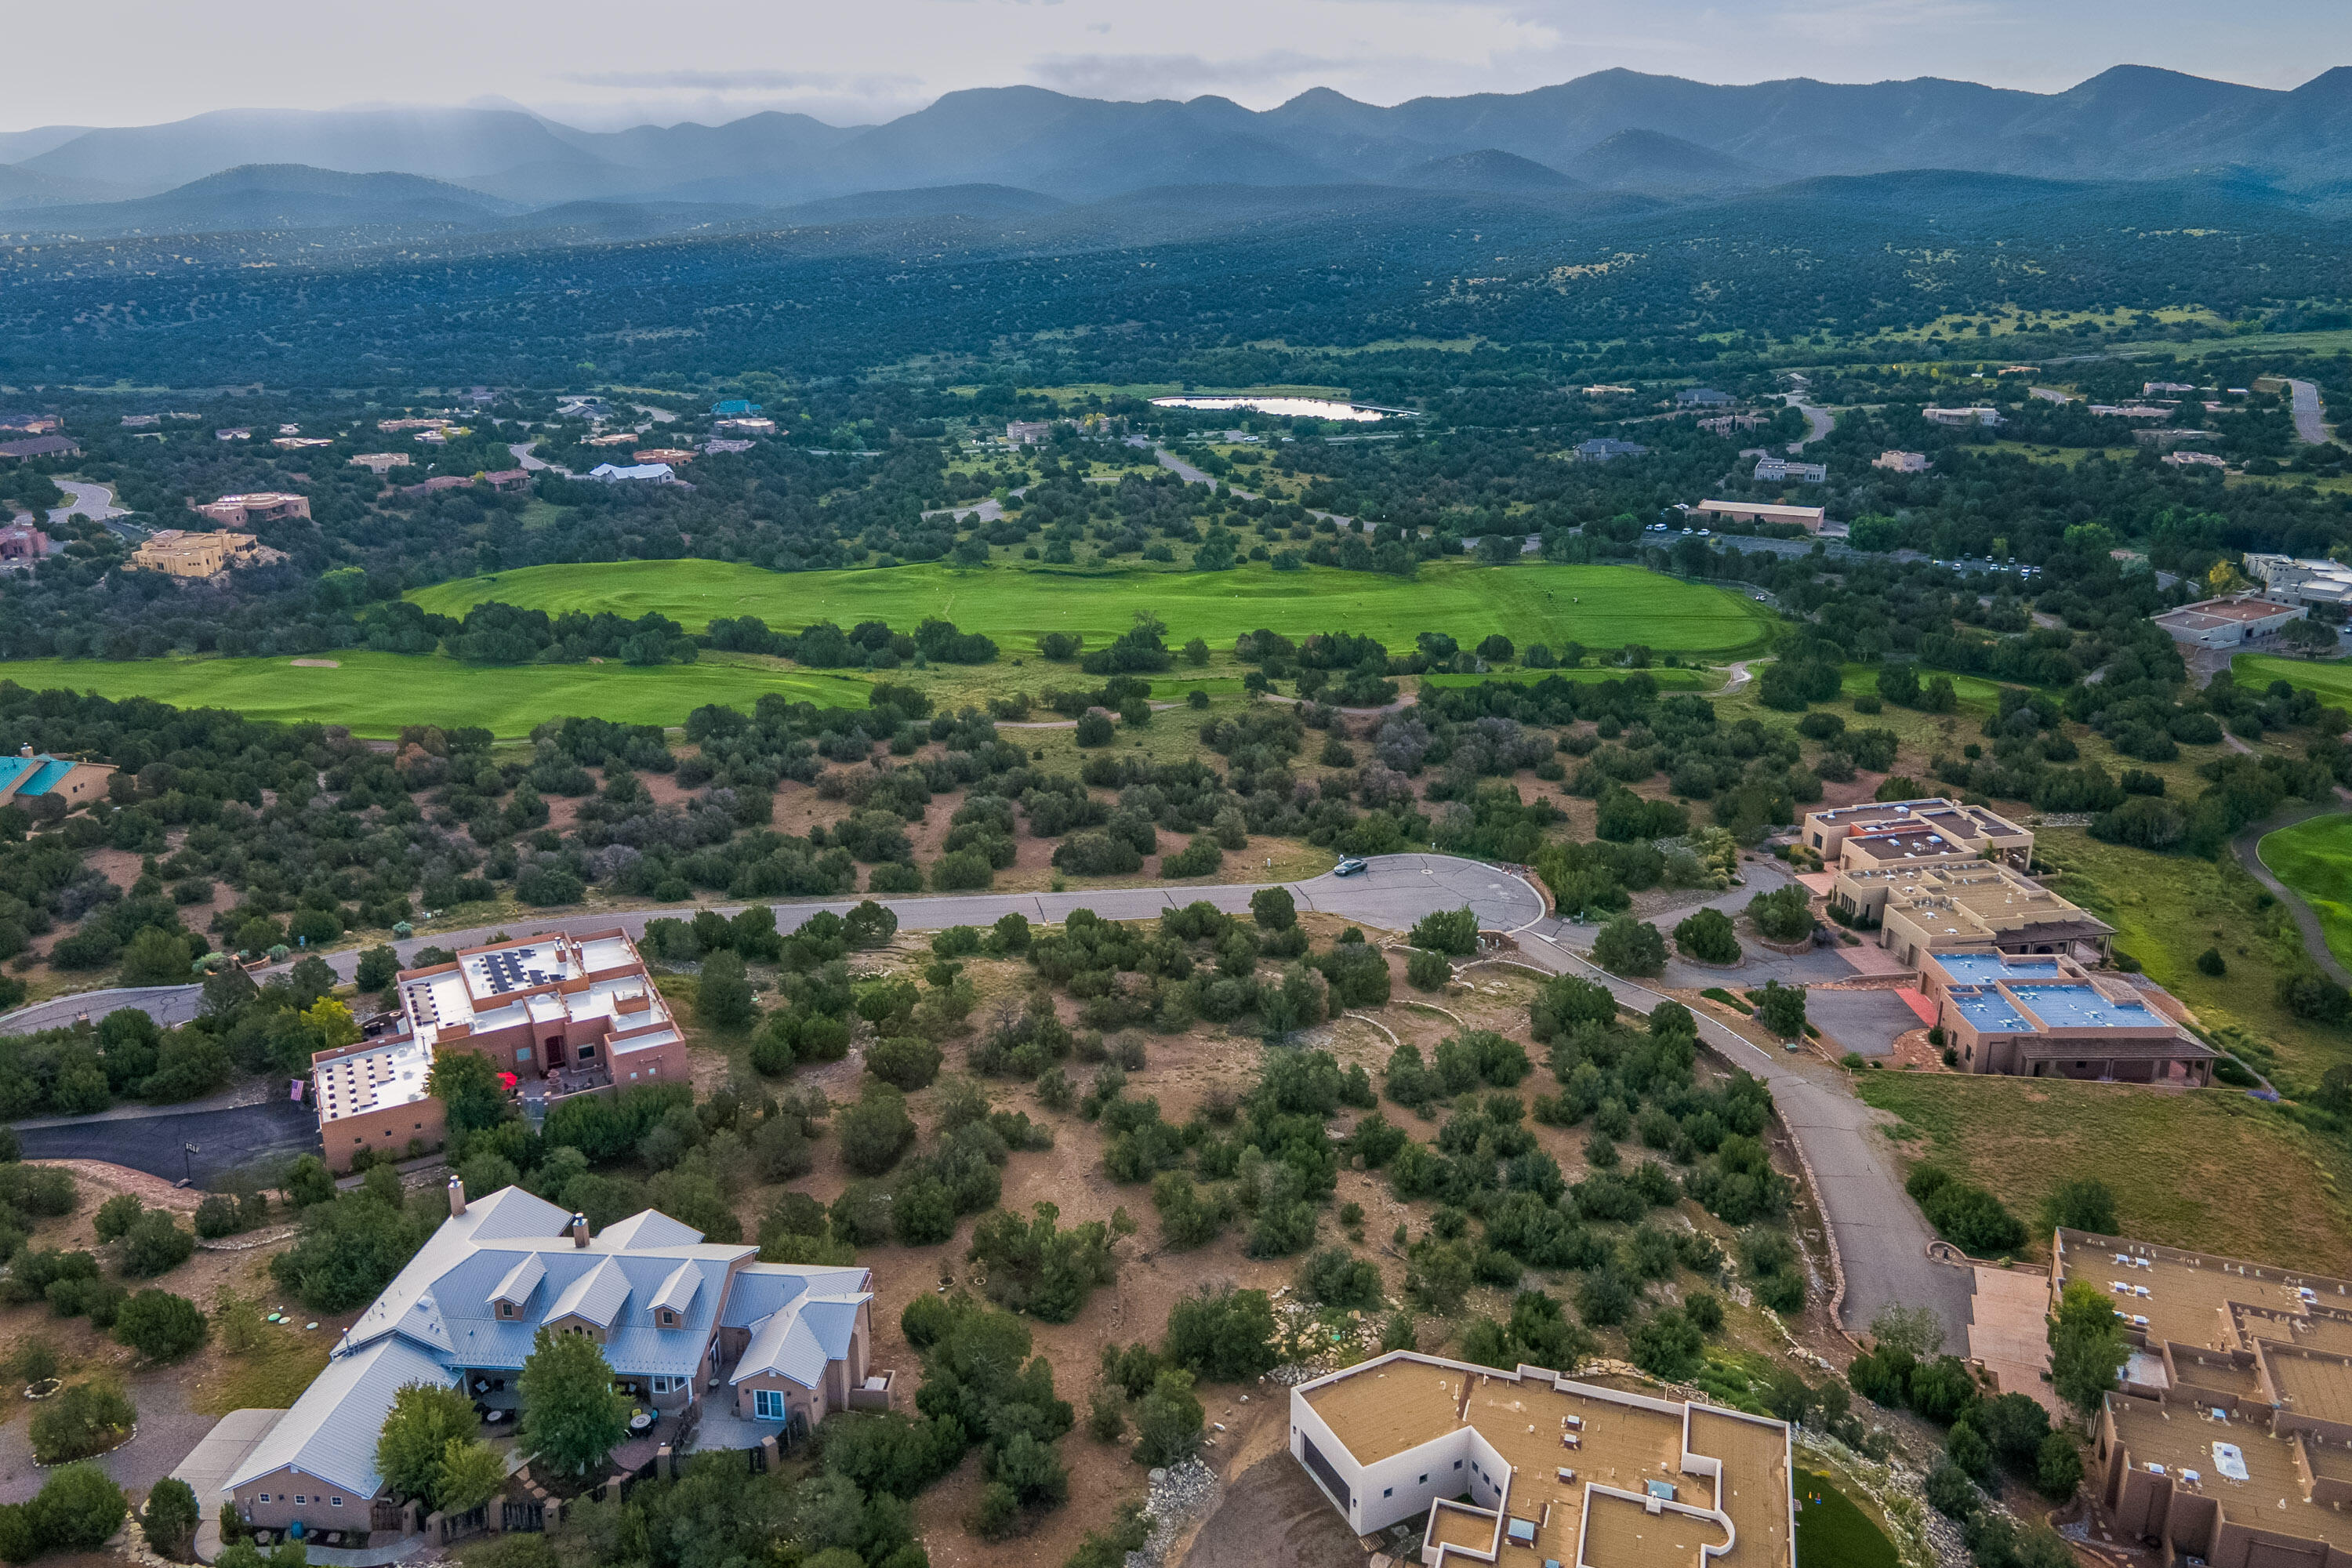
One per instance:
(2310,419)
(1818,422)
(1881,1240)
(2248,846)
(1394,892)
(226,1140)
(96,502)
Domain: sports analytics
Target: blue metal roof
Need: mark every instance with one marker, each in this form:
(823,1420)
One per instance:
(1988,1011)
(2082,1007)
(46,775)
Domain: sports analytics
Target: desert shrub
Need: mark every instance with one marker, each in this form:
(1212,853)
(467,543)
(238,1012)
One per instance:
(1708,937)
(1427,971)
(86,1419)
(160,1325)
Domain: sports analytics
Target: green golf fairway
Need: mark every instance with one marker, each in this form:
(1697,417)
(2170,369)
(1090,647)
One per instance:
(377,693)
(2331,682)
(2314,858)
(1599,607)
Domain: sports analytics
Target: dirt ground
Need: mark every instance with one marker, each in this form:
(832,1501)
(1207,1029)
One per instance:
(1272,1513)
(1185,1073)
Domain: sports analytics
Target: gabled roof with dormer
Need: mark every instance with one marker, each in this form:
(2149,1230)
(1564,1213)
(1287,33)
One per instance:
(439,1318)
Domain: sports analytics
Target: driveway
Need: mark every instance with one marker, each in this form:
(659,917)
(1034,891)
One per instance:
(167,1431)
(1882,1241)
(226,1140)
(1863,1021)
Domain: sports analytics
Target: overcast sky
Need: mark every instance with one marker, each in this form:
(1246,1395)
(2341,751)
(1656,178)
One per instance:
(613,62)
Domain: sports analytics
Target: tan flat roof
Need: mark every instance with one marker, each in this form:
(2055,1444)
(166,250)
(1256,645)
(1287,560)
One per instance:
(2272,1495)
(1624,1443)
(1387,1409)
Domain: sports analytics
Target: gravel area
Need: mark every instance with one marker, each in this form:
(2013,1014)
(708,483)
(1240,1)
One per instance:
(167,1430)
(1178,1495)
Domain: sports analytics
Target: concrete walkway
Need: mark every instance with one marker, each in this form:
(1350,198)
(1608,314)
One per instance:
(213,1461)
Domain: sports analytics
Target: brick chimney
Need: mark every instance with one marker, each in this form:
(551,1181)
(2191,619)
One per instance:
(456,1195)
(579,1230)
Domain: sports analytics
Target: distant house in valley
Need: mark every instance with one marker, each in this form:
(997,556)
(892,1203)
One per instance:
(32,775)
(41,447)
(1702,397)
(2194,460)
(31,424)
(734,408)
(234,432)
(1026,432)
(649,473)
(186,553)
(261,506)
(439,483)
(1972,415)
(1600,448)
(300,443)
(509,481)
(378,462)
(1774,471)
(1903,462)
(745,426)
(1809,518)
(2227,622)
(24,546)
(715,448)
(1725,424)
(670,455)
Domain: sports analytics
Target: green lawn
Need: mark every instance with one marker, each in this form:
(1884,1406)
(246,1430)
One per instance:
(1599,607)
(376,693)
(2331,681)
(2314,858)
(2209,1170)
(1831,1533)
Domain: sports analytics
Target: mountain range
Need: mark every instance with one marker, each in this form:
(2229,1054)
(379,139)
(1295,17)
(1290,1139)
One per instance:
(1612,132)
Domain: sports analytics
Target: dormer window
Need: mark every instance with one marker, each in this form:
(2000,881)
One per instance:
(666,1318)
(506,1308)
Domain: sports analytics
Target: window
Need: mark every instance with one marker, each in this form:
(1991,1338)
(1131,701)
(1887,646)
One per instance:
(587,1053)
(265,1497)
(668,1318)
(1388,1491)
(300,1498)
(334,1503)
(1424,1481)
(522,1053)
(1458,1464)
(506,1308)
(767,1404)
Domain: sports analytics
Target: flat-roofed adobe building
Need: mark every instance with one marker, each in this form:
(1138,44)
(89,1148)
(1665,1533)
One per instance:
(2227,622)
(1882,833)
(262,506)
(1528,1467)
(2230,1440)
(2050,1017)
(1809,518)
(1965,906)
(566,1015)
